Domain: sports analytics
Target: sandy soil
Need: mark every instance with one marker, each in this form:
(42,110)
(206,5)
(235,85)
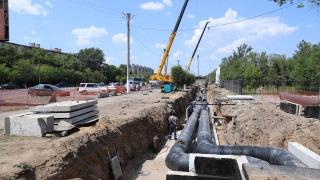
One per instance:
(52,155)
(264,124)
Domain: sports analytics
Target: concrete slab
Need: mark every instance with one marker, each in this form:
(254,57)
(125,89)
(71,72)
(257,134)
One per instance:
(29,124)
(65,106)
(78,118)
(254,171)
(240,97)
(87,121)
(65,115)
(308,157)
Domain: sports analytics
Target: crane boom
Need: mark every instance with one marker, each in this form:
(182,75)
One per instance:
(195,50)
(166,53)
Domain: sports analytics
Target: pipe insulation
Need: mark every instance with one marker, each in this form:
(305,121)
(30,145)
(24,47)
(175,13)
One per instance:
(273,155)
(178,159)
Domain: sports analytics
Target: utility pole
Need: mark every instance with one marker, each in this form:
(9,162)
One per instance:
(178,63)
(39,71)
(129,18)
(198,66)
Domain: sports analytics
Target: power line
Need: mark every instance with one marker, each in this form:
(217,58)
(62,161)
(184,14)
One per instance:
(224,24)
(144,45)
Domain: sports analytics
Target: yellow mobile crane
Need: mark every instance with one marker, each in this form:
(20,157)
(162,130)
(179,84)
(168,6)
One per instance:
(166,53)
(195,50)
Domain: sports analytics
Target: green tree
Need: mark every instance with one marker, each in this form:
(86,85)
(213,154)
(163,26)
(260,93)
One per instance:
(178,76)
(4,73)
(311,2)
(92,58)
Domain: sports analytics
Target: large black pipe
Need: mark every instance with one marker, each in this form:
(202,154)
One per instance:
(273,155)
(178,159)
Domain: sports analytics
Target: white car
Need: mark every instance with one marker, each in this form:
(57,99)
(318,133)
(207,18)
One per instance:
(131,85)
(86,88)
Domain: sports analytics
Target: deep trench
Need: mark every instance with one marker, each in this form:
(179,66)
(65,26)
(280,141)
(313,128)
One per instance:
(90,160)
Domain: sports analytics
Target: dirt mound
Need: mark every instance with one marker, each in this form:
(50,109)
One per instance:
(264,124)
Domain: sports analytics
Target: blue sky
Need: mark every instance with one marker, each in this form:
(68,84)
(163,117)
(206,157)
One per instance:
(72,25)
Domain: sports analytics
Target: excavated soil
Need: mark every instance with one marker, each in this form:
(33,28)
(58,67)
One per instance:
(262,123)
(129,124)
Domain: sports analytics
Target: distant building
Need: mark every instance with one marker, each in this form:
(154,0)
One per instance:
(136,69)
(32,46)
(201,80)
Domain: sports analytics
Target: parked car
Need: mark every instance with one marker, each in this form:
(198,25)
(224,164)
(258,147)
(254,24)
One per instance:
(131,85)
(9,86)
(47,90)
(112,86)
(62,84)
(86,88)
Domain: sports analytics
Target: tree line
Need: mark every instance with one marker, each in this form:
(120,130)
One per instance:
(252,67)
(22,67)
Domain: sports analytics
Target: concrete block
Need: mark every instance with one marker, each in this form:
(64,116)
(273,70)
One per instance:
(254,171)
(299,110)
(282,105)
(87,121)
(65,106)
(178,175)
(311,111)
(29,124)
(78,118)
(222,167)
(193,165)
(65,115)
(292,108)
(308,157)
(103,95)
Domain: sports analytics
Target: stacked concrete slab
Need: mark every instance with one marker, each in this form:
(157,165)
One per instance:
(69,114)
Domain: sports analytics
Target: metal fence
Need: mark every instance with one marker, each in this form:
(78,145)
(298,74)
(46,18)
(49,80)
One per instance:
(309,88)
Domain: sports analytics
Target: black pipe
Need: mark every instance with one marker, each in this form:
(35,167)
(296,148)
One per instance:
(273,155)
(178,159)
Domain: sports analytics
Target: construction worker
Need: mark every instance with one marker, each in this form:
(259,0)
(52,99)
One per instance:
(189,110)
(172,126)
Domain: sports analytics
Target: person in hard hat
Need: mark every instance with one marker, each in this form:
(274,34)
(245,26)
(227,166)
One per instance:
(172,126)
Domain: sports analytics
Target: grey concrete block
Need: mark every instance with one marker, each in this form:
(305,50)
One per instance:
(254,171)
(78,118)
(221,167)
(103,95)
(65,106)
(308,157)
(65,115)
(311,111)
(87,121)
(178,175)
(29,124)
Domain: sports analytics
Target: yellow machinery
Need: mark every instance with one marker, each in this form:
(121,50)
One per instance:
(166,53)
(195,50)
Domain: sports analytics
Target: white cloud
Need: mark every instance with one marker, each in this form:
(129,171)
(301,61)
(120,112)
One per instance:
(31,39)
(49,4)
(185,35)
(226,38)
(26,7)
(156,6)
(85,35)
(168,13)
(309,26)
(108,60)
(134,58)
(147,53)
(33,32)
(161,46)
(120,39)
(177,54)
(190,16)
(167,2)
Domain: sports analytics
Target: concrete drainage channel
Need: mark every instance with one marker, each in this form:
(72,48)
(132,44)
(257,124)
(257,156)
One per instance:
(230,162)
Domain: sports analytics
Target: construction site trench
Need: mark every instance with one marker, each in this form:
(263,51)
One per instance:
(129,124)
